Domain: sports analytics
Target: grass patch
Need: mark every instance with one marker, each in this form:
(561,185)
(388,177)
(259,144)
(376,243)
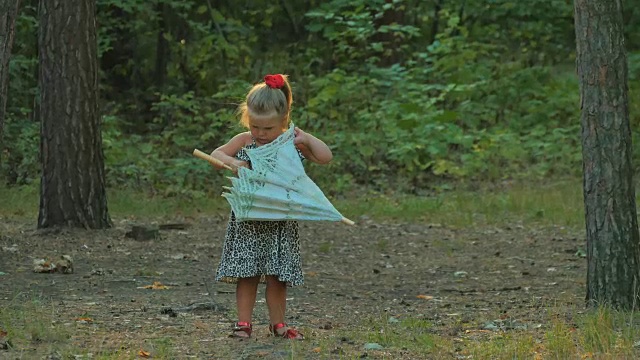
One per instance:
(559,204)
(600,333)
(162,348)
(560,340)
(414,336)
(506,346)
(22,202)
(606,331)
(325,247)
(32,321)
(126,203)
(19,202)
(411,334)
(35,327)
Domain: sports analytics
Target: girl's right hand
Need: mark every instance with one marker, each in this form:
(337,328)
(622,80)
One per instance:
(237,164)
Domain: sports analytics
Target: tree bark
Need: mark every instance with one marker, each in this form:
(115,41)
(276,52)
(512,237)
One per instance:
(72,189)
(613,250)
(8,15)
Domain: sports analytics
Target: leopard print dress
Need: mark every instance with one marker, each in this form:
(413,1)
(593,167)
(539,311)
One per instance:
(260,248)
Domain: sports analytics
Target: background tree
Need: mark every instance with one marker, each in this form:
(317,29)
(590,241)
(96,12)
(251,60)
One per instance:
(8,14)
(72,189)
(613,247)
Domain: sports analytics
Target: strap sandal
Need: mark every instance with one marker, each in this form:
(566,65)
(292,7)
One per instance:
(242,330)
(290,333)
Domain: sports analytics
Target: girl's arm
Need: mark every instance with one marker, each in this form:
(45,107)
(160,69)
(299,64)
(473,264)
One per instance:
(227,152)
(312,148)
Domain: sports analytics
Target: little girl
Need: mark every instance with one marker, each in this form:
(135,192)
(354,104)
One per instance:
(267,251)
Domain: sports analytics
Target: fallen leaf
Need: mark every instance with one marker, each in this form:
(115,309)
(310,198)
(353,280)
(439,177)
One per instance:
(425,297)
(156,286)
(539,352)
(144,354)
(317,350)
(3,333)
(200,325)
(43,266)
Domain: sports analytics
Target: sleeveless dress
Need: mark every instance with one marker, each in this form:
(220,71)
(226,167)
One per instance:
(260,248)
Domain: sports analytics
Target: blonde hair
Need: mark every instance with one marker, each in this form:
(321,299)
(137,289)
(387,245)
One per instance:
(264,100)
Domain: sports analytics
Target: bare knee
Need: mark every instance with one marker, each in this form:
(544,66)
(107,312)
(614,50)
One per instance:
(249,281)
(272,281)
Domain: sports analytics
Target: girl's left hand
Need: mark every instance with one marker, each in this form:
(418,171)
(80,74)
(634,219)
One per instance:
(301,136)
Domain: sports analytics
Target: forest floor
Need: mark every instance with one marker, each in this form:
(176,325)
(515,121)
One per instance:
(375,290)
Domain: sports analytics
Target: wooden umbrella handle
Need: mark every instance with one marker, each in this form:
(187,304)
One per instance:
(211,159)
(347,221)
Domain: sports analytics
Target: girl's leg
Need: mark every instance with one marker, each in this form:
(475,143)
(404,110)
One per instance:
(246,290)
(276,295)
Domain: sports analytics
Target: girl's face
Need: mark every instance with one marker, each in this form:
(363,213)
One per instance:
(265,129)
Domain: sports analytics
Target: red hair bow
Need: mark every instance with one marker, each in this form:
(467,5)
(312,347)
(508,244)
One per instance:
(274,81)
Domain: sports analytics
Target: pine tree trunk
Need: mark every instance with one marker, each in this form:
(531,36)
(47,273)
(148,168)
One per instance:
(8,15)
(72,190)
(613,250)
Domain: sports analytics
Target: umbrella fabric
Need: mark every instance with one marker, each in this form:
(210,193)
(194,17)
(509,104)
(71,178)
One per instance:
(277,187)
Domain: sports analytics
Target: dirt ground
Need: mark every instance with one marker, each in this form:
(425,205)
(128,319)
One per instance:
(359,280)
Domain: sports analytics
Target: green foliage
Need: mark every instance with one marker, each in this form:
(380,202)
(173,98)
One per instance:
(23,71)
(20,163)
(538,32)
(356,30)
(159,160)
(409,94)
(21,133)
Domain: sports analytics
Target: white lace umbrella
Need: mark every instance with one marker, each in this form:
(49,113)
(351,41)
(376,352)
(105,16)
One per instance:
(277,187)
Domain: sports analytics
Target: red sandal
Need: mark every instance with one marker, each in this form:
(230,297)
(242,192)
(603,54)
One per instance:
(291,333)
(242,330)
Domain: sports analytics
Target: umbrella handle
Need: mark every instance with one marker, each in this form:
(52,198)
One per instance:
(211,159)
(347,221)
